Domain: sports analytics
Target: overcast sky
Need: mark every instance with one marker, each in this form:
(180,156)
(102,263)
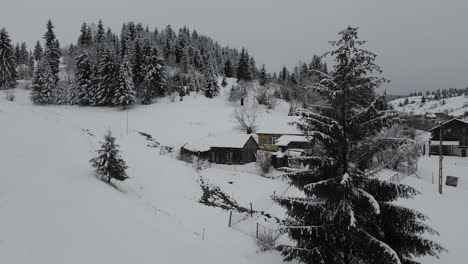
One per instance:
(422,44)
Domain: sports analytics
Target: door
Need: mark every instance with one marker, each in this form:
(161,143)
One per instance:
(463,152)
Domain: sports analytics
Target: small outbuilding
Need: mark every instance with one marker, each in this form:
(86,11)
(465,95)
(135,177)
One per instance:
(231,149)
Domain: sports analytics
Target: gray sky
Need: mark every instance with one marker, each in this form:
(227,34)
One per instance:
(422,44)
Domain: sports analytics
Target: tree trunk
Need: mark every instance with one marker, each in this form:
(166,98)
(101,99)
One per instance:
(242,101)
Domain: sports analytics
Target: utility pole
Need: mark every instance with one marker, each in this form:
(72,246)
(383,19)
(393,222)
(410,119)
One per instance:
(441,157)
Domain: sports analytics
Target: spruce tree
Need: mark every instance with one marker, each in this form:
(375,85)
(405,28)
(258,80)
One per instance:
(44,83)
(210,84)
(37,51)
(8,72)
(263,76)
(108,73)
(244,70)
(85,40)
(85,82)
(52,51)
(138,64)
(228,69)
(109,164)
(347,215)
(124,95)
(155,78)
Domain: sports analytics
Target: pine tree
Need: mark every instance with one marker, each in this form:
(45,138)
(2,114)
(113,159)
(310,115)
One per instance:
(263,76)
(85,82)
(8,72)
(210,85)
(52,51)
(37,51)
(347,216)
(244,69)
(44,84)
(138,64)
(85,40)
(109,164)
(125,93)
(155,78)
(108,72)
(228,69)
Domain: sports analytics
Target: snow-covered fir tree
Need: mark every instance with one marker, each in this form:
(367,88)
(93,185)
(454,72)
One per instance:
(85,83)
(228,69)
(138,64)
(108,73)
(244,71)
(124,95)
(155,78)
(347,214)
(263,76)
(51,53)
(109,164)
(210,84)
(8,72)
(37,51)
(44,84)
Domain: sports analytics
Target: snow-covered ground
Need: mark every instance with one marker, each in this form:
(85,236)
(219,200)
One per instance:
(455,106)
(53,209)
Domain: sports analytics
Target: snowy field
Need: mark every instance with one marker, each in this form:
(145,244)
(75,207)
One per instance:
(53,209)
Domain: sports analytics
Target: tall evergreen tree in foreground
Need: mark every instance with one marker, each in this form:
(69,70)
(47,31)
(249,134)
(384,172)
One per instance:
(124,94)
(347,215)
(109,164)
(8,72)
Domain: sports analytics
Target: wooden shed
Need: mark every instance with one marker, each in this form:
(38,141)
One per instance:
(231,149)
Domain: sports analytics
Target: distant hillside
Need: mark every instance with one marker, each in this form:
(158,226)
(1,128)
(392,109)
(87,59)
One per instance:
(455,106)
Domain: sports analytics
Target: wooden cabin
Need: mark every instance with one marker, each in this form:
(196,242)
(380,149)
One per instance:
(454,138)
(232,149)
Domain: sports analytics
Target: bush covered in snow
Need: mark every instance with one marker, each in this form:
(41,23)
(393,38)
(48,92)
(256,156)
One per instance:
(263,161)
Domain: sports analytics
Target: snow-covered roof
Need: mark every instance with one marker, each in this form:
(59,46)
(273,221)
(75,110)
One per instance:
(225,141)
(286,139)
(280,126)
(445,143)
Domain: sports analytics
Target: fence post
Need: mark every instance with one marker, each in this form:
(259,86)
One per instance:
(432,177)
(230,217)
(203,234)
(256,233)
(251,211)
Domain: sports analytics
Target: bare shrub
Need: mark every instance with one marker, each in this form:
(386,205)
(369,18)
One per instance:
(267,238)
(261,94)
(240,91)
(246,118)
(263,161)
(198,163)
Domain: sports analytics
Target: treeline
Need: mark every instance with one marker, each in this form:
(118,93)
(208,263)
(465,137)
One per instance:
(136,65)
(442,93)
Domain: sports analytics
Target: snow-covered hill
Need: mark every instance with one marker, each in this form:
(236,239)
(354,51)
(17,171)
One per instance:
(54,210)
(455,106)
